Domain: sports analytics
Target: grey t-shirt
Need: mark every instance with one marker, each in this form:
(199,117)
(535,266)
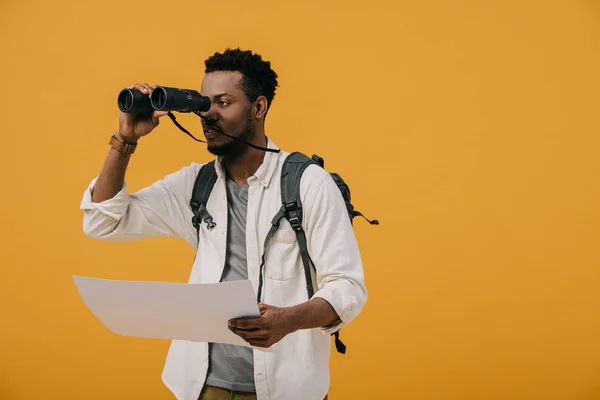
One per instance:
(232,367)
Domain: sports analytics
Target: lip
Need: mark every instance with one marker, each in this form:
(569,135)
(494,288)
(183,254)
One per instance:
(210,134)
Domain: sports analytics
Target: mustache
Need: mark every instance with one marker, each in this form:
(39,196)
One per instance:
(209,126)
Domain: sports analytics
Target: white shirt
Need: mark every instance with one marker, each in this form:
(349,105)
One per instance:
(298,368)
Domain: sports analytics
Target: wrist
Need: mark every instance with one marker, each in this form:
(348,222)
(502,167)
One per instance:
(315,313)
(122,146)
(292,319)
(125,139)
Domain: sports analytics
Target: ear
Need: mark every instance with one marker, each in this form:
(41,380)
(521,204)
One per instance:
(260,107)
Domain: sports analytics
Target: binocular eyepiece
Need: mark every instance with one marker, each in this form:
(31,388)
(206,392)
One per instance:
(162,99)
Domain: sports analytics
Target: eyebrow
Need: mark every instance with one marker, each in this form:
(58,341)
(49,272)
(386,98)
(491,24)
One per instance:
(218,96)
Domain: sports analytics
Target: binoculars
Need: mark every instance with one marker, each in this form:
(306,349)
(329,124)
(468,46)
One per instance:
(162,99)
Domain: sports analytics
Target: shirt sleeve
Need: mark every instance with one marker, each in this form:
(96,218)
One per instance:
(161,209)
(334,250)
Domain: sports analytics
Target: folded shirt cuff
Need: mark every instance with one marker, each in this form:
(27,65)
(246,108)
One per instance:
(331,293)
(114,207)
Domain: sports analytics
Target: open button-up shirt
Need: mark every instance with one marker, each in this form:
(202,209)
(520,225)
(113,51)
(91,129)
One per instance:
(297,368)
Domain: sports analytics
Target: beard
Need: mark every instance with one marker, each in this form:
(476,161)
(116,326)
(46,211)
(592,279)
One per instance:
(232,149)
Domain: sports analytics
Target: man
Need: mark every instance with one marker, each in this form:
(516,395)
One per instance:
(243,202)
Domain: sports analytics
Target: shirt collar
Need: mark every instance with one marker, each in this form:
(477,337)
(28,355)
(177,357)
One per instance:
(263,174)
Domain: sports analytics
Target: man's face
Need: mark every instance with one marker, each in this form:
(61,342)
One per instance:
(229,113)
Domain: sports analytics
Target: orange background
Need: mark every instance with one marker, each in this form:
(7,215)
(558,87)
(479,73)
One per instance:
(468,128)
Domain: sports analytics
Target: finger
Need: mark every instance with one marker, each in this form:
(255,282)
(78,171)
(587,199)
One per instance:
(159,114)
(247,335)
(259,343)
(156,115)
(240,333)
(148,88)
(246,323)
(141,88)
(258,334)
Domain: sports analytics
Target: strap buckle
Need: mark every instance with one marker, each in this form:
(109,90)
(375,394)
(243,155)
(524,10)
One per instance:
(210,224)
(293,214)
(201,215)
(196,218)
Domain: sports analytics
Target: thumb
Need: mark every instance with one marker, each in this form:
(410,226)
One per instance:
(263,307)
(158,114)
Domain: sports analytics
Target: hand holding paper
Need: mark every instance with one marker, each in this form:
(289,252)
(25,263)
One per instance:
(273,325)
(161,310)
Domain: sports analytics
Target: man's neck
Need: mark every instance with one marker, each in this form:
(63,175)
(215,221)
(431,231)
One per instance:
(246,165)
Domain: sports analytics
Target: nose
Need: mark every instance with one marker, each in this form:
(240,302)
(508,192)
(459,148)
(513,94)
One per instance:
(210,119)
(211,114)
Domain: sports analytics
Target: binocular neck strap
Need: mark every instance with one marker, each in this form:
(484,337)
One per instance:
(182,128)
(229,136)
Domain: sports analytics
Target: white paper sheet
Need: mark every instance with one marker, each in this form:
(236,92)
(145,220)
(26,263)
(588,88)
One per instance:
(162,310)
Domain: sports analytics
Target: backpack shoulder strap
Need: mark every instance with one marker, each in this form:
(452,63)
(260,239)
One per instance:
(205,180)
(293,168)
(291,174)
(291,209)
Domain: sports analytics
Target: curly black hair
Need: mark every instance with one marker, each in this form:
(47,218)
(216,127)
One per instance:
(258,77)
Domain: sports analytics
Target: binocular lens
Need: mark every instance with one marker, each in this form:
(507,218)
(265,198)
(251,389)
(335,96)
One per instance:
(159,98)
(181,100)
(135,102)
(125,100)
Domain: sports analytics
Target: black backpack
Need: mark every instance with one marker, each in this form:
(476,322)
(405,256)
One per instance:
(291,209)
